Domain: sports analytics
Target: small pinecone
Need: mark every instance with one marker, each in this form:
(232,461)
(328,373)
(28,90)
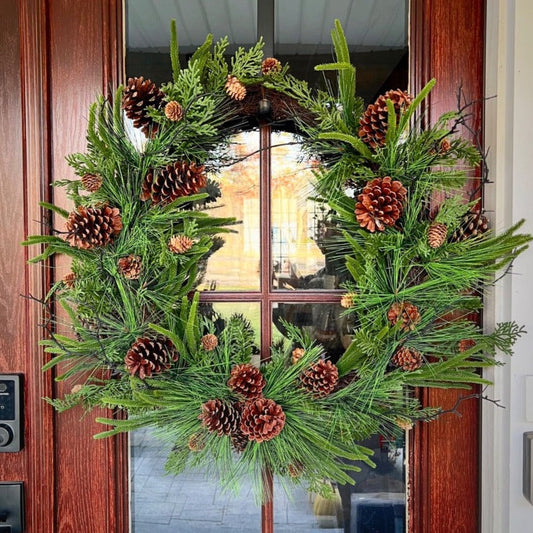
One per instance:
(89,227)
(239,440)
(406,313)
(147,356)
(247,381)
(321,379)
(473,225)
(138,95)
(346,380)
(174,181)
(297,354)
(262,419)
(76,388)
(407,359)
(220,417)
(196,442)
(437,234)
(466,344)
(130,266)
(374,122)
(69,279)
(380,204)
(404,423)
(209,342)
(348,300)
(444,146)
(180,244)
(270,65)
(235,88)
(295,470)
(174,111)
(91,182)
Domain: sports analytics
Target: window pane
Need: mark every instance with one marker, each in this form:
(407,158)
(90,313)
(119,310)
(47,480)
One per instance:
(235,266)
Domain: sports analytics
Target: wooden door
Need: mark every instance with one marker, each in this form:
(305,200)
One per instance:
(57,56)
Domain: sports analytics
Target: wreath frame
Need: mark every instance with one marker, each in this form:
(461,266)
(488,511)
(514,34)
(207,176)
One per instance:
(141,343)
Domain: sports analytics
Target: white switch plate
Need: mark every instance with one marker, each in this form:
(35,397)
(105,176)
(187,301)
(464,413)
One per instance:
(529,398)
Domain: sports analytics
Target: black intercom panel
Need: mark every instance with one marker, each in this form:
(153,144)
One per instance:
(11,421)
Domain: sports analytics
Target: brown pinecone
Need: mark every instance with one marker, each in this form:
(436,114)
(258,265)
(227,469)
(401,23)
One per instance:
(140,94)
(407,358)
(321,379)
(196,442)
(209,342)
(346,380)
(150,355)
(238,440)
(270,65)
(374,122)
(347,300)
(89,227)
(174,181)
(466,344)
(69,279)
(406,313)
(295,470)
(174,111)
(180,244)
(130,266)
(220,417)
(297,354)
(444,146)
(262,419)
(247,381)
(380,204)
(235,88)
(91,182)
(404,423)
(473,225)
(437,234)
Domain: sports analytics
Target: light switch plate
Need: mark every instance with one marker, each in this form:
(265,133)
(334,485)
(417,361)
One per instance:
(527,475)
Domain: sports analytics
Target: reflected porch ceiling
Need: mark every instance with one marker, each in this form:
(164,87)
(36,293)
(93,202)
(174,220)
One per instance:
(301,26)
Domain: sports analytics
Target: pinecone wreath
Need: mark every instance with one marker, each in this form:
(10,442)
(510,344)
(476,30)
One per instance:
(130,266)
(174,181)
(138,96)
(150,355)
(373,124)
(220,417)
(89,227)
(473,225)
(406,313)
(407,359)
(91,182)
(246,381)
(437,234)
(321,379)
(380,204)
(235,88)
(262,419)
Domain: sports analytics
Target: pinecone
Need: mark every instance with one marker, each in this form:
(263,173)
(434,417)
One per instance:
(235,88)
(437,234)
(473,225)
(247,381)
(130,266)
(89,227)
(270,65)
(69,279)
(220,417)
(466,344)
(444,146)
(295,470)
(262,419)
(380,204)
(374,122)
(150,355)
(404,423)
(174,181)
(348,300)
(174,111)
(321,379)
(346,380)
(406,313)
(196,442)
(209,342)
(91,182)
(180,244)
(407,358)
(138,96)
(238,440)
(297,354)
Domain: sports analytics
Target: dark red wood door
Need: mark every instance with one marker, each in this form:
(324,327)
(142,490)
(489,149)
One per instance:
(57,56)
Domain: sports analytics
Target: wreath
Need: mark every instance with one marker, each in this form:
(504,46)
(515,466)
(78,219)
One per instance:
(141,231)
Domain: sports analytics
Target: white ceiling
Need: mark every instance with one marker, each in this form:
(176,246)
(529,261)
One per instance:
(302,26)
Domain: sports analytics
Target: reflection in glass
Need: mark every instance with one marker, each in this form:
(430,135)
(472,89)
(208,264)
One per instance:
(235,266)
